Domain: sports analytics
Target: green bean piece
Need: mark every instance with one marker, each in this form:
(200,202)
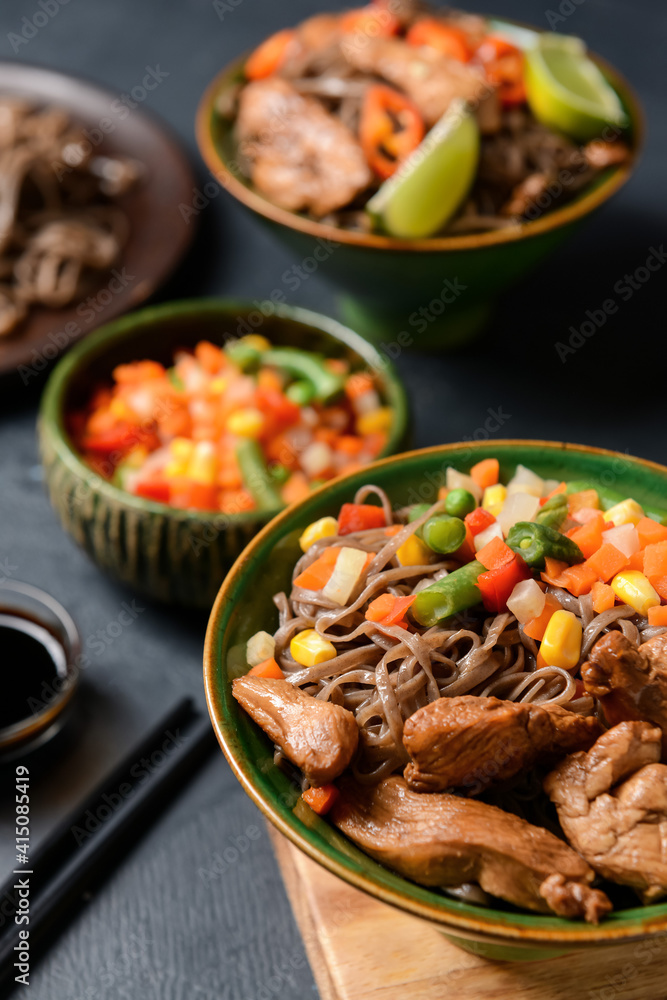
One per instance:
(309,367)
(553,512)
(609,498)
(301,392)
(443,533)
(456,592)
(534,542)
(460,502)
(256,477)
(279,473)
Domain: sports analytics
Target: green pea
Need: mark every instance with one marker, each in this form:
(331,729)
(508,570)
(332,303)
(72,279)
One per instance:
(417,511)
(443,533)
(460,502)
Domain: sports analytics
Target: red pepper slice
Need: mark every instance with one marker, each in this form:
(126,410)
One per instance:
(503,63)
(496,585)
(359,517)
(118,439)
(391,127)
(153,489)
(445,38)
(270,55)
(479,519)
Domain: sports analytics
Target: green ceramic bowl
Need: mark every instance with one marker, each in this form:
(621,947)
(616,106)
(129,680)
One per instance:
(386,281)
(173,555)
(244,606)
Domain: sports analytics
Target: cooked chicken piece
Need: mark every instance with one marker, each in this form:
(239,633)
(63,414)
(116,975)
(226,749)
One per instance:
(469,742)
(629,681)
(612,805)
(600,154)
(445,840)
(319,737)
(431,79)
(300,156)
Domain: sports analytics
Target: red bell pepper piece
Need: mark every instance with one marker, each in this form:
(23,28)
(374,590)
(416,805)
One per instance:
(389,610)
(270,55)
(359,517)
(496,585)
(445,38)
(479,519)
(280,410)
(503,63)
(390,128)
(153,489)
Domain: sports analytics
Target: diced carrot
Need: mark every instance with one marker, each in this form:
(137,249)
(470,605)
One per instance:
(393,529)
(269,56)
(494,554)
(658,616)
(268,378)
(650,531)
(389,610)
(603,597)
(337,365)
(637,561)
(296,488)
(321,799)
(586,514)
(375,442)
(578,579)
(210,357)
(479,519)
(536,627)
(360,517)
(586,498)
(589,536)
(466,551)
(655,560)
(486,472)
(660,584)
(443,492)
(553,568)
(137,371)
(315,576)
(348,444)
(358,384)
(235,501)
(607,561)
(268,668)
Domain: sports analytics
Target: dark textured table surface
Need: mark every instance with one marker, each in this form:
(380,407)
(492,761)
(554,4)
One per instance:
(165,925)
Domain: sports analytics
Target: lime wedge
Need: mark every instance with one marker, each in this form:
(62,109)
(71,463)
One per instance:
(432,182)
(567,91)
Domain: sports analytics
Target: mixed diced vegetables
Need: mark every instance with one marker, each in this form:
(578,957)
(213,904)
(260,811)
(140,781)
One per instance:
(247,426)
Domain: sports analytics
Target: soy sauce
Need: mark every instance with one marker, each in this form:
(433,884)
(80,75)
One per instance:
(33,666)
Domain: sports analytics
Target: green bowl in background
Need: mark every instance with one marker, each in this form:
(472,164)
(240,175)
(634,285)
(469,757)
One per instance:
(386,281)
(244,606)
(173,555)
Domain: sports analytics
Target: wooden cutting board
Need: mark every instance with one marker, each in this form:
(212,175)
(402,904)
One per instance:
(361,949)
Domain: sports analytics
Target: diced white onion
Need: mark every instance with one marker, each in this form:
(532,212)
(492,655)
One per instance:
(460,481)
(549,485)
(484,537)
(518,507)
(259,647)
(526,601)
(525,481)
(315,459)
(624,538)
(348,568)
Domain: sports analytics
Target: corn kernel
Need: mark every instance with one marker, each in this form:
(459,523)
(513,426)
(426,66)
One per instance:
(309,648)
(561,644)
(413,552)
(256,342)
(324,528)
(181,448)
(218,385)
(375,421)
(248,422)
(175,468)
(494,498)
(203,466)
(633,588)
(626,512)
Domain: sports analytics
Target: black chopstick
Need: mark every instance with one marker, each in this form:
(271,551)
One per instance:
(77,852)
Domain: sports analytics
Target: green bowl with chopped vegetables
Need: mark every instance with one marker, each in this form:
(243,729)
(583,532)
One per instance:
(244,606)
(176,555)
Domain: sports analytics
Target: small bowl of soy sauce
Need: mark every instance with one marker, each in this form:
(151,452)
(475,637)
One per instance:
(40,653)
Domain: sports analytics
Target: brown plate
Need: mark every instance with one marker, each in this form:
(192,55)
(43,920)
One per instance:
(159,236)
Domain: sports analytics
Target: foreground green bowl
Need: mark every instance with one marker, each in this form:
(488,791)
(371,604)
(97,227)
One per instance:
(173,555)
(244,606)
(425,293)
